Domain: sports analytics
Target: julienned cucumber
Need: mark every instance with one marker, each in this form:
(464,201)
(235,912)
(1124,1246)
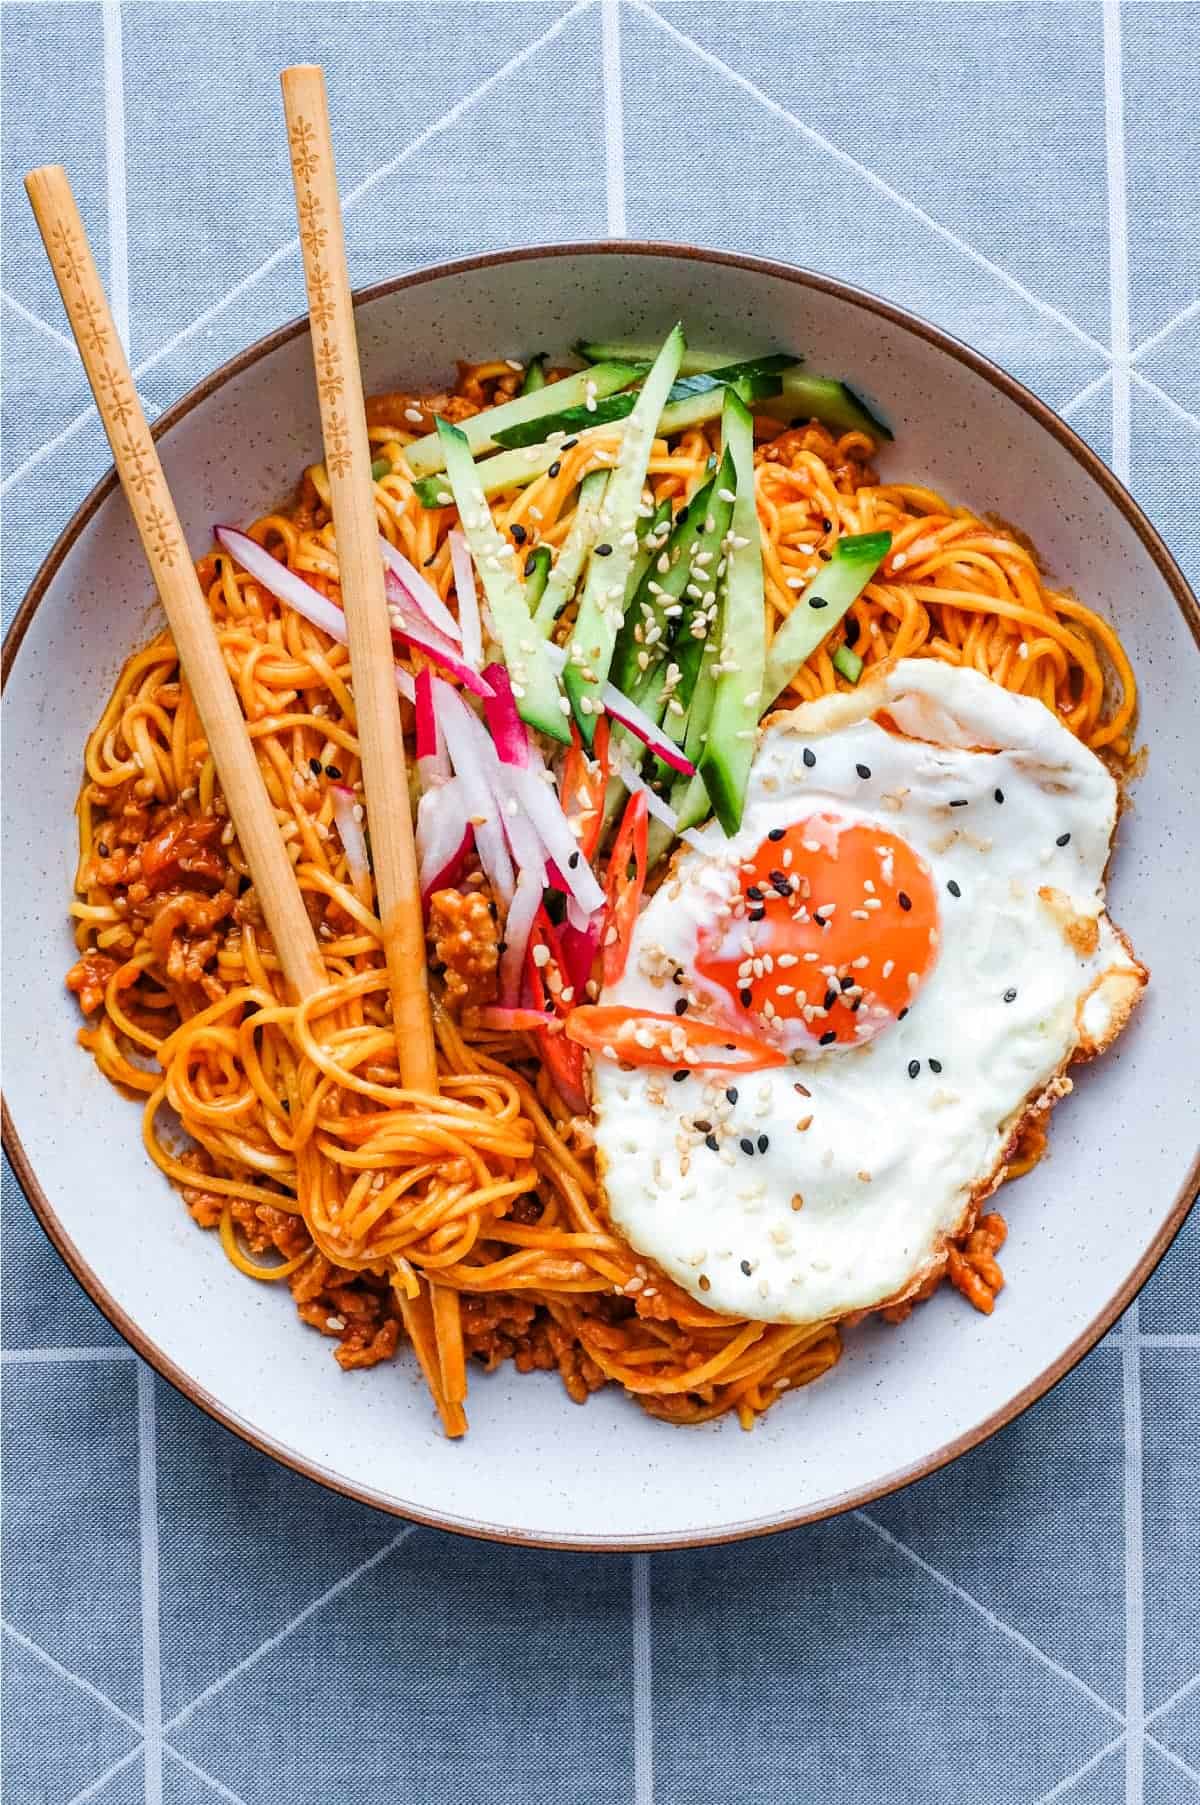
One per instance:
(533,681)
(848,664)
(653,531)
(693,363)
(568,566)
(428,455)
(535,375)
(690,403)
(826,399)
(647,630)
(537,571)
(732,728)
(601,609)
(821,606)
(690,643)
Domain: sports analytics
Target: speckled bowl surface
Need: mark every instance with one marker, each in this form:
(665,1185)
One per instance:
(1087,1226)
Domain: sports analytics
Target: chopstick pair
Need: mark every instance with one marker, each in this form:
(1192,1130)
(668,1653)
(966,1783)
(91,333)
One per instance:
(433,1323)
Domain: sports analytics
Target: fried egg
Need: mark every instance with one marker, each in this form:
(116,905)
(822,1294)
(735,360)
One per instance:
(913,914)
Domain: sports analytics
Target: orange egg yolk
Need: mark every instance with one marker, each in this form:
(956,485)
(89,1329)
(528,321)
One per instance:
(834,930)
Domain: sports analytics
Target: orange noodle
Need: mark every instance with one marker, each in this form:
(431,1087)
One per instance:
(298,1143)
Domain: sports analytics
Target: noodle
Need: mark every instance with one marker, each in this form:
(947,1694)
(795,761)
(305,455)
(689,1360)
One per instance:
(475,1218)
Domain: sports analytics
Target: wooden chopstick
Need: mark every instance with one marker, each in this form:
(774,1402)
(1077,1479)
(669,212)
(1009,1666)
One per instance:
(372,661)
(432,1320)
(187,612)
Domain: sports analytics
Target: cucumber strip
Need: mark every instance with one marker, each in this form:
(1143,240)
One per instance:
(732,729)
(537,572)
(507,470)
(821,606)
(568,566)
(751,369)
(754,382)
(653,532)
(602,608)
(535,375)
(692,363)
(826,399)
(428,455)
(534,684)
(848,664)
(657,589)
(689,643)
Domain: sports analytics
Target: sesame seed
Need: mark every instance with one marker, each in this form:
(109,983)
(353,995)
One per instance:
(1062,839)
(1010,996)
(810,759)
(731,1095)
(681,1004)
(935,1065)
(763,1143)
(864,771)
(746,1267)
(953,888)
(678,1077)
(914,1067)
(999,795)
(827,1037)
(747,1146)
(959,802)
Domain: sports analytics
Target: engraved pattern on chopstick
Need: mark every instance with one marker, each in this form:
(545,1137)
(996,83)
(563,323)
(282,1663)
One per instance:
(314,239)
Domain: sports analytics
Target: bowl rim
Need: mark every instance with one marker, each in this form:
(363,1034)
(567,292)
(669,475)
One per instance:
(45,1212)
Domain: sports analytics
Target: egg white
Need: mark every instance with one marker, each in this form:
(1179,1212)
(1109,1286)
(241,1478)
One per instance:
(888,1167)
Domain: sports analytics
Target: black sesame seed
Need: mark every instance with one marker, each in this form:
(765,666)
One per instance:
(702,1125)
(429,560)
(102,849)
(746,1144)
(827,525)
(757,915)
(502,946)
(754,893)
(863,770)
(731,1095)
(568,444)
(780,883)
(831,997)
(763,1143)
(747,996)
(555,467)
(1010,996)
(518,532)
(856,1005)
(847,983)
(776,833)
(810,757)
(914,1066)
(1062,839)
(999,795)
(959,802)
(851,630)
(818,601)
(935,1065)
(678,1077)
(902,1015)
(573,860)
(746,1267)
(904,899)
(314,765)
(603,551)
(530,564)
(827,1038)
(711,1141)
(953,888)
(681,1005)
(822,921)
(332,771)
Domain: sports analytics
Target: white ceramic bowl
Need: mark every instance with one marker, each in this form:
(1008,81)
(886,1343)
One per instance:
(1087,1227)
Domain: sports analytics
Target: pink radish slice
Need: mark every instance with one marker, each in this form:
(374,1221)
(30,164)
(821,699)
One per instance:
(469,623)
(295,593)
(420,592)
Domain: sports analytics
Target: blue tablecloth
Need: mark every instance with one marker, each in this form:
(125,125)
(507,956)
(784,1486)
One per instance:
(185,1620)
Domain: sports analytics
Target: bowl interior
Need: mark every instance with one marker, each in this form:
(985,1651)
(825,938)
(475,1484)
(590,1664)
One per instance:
(1084,1225)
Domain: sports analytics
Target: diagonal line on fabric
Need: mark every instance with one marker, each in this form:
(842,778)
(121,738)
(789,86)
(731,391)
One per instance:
(997,1623)
(1176,1761)
(643,1682)
(1068,1781)
(73,1679)
(37,322)
(54,1356)
(272,1642)
(95,1787)
(614,118)
(114,167)
(1085,394)
(1176,1698)
(202,1774)
(1164,332)
(873,180)
(283,251)
(1160,395)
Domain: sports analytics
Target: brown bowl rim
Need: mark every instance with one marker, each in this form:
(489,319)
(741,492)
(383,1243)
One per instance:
(42,1208)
